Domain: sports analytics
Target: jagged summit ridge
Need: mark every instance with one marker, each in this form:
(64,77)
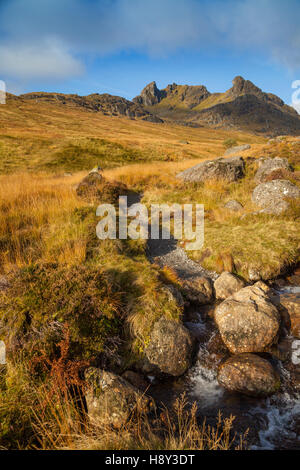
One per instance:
(244,106)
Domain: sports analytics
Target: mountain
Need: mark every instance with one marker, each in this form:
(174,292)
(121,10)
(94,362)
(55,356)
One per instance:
(244,106)
(105,104)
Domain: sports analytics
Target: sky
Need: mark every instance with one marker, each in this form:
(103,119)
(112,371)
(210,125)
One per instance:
(118,46)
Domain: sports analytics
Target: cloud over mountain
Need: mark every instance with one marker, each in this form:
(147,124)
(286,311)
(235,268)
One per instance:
(68,33)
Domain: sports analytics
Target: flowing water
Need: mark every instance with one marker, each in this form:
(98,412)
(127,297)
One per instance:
(273,423)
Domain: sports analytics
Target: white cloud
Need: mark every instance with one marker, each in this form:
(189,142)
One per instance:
(48,58)
(157,27)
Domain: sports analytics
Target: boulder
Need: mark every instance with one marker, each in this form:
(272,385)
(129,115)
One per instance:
(237,149)
(248,321)
(198,290)
(268,165)
(271,196)
(233,205)
(249,374)
(171,347)
(227,284)
(288,305)
(95,188)
(229,169)
(111,399)
(174,295)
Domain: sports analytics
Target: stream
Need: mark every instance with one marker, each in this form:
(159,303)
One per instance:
(272,423)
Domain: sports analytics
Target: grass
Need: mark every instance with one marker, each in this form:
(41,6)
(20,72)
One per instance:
(45,137)
(43,416)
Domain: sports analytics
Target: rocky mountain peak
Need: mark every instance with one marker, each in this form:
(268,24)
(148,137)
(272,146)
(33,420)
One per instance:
(149,96)
(242,86)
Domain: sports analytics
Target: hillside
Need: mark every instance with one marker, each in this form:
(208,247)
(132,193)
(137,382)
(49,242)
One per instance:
(40,132)
(244,107)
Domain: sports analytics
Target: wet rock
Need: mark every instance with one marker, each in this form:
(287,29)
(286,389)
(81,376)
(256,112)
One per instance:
(112,399)
(171,347)
(288,305)
(234,206)
(248,321)
(198,290)
(237,149)
(268,165)
(227,284)
(249,374)
(135,379)
(271,196)
(229,169)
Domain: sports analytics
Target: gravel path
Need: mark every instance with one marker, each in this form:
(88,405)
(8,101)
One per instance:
(168,253)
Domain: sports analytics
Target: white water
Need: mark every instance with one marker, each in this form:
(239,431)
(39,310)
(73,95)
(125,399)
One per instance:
(279,416)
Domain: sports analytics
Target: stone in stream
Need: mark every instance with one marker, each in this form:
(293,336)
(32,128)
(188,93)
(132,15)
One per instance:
(111,399)
(271,196)
(171,347)
(227,284)
(289,306)
(268,165)
(229,169)
(249,374)
(248,321)
(198,290)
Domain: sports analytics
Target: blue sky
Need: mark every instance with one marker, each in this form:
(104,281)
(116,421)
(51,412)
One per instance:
(118,46)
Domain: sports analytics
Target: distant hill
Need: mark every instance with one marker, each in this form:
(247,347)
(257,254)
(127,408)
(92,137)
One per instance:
(244,107)
(106,104)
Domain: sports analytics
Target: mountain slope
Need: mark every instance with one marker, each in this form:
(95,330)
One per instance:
(106,104)
(244,106)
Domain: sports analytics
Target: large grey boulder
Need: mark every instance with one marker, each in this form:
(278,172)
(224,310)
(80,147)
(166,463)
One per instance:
(227,284)
(271,196)
(248,321)
(268,165)
(237,149)
(111,399)
(249,374)
(229,169)
(171,347)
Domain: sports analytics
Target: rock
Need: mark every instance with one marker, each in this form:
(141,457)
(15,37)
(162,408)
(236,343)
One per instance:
(248,321)
(288,305)
(171,347)
(198,290)
(94,188)
(254,274)
(135,379)
(233,205)
(174,295)
(4,283)
(268,165)
(270,196)
(249,374)
(111,399)
(237,149)
(227,284)
(229,169)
